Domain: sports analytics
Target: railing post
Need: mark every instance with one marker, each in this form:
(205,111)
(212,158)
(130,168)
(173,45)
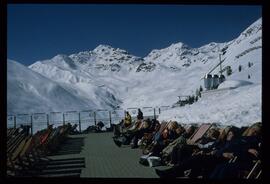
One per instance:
(80,123)
(48,124)
(31,124)
(154,113)
(14,121)
(63,118)
(95,118)
(110,116)
(159,110)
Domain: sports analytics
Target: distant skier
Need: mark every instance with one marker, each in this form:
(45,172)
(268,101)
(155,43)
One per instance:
(140,115)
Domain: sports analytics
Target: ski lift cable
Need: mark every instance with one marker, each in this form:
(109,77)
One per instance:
(214,67)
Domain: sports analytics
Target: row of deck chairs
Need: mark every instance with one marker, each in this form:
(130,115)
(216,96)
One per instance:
(26,154)
(201,131)
(198,133)
(254,173)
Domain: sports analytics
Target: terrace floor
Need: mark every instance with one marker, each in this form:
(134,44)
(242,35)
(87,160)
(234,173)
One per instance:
(96,155)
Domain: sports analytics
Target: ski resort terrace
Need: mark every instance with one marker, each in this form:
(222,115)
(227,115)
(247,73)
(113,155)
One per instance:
(67,153)
(87,155)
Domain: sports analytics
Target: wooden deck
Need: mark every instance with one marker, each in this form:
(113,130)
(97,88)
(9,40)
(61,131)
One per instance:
(102,158)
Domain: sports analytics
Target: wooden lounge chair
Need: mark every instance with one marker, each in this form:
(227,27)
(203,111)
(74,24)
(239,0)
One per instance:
(12,157)
(28,157)
(15,140)
(199,133)
(55,139)
(256,171)
(10,132)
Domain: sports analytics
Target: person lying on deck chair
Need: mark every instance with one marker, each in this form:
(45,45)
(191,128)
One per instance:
(251,149)
(204,161)
(148,137)
(180,150)
(183,135)
(133,135)
(162,139)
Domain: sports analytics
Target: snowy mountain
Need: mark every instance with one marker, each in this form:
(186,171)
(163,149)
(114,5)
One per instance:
(111,77)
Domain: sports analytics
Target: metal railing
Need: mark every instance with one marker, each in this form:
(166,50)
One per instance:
(84,118)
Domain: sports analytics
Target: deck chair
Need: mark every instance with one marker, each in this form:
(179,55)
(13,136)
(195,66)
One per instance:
(42,140)
(256,171)
(12,157)
(134,126)
(53,140)
(11,132)
(28,159)
(37,155)
(126,129)
(199,133)
(163,126)
(14,140)
(64,131)
(57,136)
(21,163)
(36,152)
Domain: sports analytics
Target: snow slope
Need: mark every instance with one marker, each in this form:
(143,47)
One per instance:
(239,107)
(111,77)
(26,92)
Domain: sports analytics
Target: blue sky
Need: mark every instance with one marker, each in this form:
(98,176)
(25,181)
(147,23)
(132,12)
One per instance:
(41,31)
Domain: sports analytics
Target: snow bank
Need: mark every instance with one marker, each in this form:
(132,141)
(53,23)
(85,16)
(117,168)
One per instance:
(239,107)
(233,84)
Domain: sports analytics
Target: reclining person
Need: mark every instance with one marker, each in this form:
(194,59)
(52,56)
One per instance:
(251,147)
(137,132)
(182,150)
(124,124)
(205,161)
(148,138)
(146,129)
(162,139)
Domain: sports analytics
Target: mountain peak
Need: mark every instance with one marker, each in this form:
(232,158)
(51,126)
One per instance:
(102,47)
(178,45)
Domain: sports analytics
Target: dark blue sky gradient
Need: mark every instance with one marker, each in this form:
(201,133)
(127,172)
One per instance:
(37,32)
